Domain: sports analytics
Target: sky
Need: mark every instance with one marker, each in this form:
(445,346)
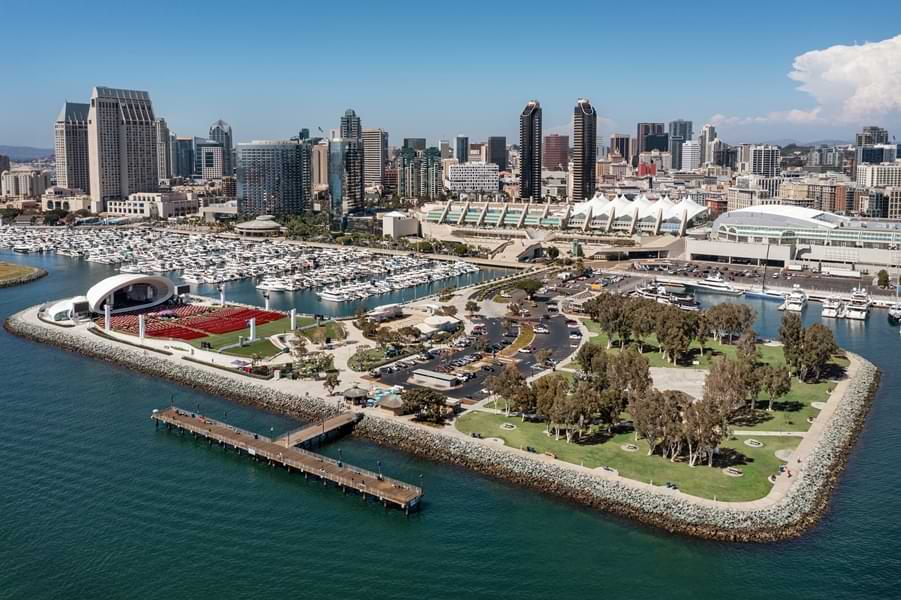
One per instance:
(760,71)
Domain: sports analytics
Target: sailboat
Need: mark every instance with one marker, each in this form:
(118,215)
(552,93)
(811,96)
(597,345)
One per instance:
(894,311)
(762,293)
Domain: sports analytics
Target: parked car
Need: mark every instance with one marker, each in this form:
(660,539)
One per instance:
(541,329)
(527,349)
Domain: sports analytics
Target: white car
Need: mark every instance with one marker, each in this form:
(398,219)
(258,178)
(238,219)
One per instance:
(541,329)
(526,349)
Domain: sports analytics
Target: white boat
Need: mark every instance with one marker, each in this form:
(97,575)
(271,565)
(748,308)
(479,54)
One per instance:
(894,313)
(796,301)
(833,308)
(716,283)
(331,296)
(858,307)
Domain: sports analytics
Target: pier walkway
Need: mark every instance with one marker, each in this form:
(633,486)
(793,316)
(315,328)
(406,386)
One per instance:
(390,492)
(307,433)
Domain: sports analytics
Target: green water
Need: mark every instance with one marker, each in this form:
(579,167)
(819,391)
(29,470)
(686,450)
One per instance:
(96,503)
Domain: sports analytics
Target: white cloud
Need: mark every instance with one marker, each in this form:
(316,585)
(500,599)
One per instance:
(849,84)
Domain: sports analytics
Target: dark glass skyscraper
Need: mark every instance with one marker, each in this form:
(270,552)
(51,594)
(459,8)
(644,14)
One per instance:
(221,132)
(497,152)
(530,151)
(680,131)
(274,177)
(645,130)
(345,177)
(350,126)
(585,134)
(461,148)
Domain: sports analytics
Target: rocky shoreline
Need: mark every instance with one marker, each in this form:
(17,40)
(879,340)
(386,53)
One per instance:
(797,511)
(36,273)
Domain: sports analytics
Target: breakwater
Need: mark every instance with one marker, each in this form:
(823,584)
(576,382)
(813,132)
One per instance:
(35,273)
(793,513)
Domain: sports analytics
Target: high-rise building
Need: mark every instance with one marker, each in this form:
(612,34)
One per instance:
(320,166)
(184,156)
(163,149)
(877,153)
(274,177)
(23,182)
(461,148)
(472,177)
(690,155)
(621,143)
(708,134)
(556,152)
(530,151)
(497,151)
(417,144)
(872,135)
(5,163)
(350,126)
(345,177)
(209,160)
(585,132)
(645,130)
(121,144)
(375,155)
(680,131)
(765,160)
(71,145)
(445,149)
(221,132)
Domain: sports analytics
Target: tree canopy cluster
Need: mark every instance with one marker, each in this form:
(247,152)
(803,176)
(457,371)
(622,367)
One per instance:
(807,351)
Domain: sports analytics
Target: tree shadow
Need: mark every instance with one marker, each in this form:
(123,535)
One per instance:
(730,457)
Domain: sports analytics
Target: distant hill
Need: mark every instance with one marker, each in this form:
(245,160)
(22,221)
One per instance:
(25,153)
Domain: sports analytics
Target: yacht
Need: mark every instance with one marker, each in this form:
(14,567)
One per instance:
(716,283)
(332,296)
(894,313)
(796,301)
(833,308)
(858,308)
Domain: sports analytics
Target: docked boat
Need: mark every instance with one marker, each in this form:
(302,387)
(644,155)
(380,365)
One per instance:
(716,283)
(858,307)
(894,313)
(833,308)
(796,301)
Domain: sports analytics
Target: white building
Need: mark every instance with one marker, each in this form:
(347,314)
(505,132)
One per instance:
(156,205)
(375,154)
(122,144)
(765,160)
(886,174)
(472,177)
(212,161)
(691,155)
(24,183)
(60,198)
(396,224)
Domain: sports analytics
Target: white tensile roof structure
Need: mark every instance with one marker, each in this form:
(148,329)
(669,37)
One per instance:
(596,205)
(130,292)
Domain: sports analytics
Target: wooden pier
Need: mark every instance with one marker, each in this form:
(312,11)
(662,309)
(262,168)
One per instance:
(282,452)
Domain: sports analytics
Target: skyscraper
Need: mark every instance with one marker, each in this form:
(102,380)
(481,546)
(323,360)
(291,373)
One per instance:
(221,132)
(644,131)
(622,144)
(345,177)
(209,159)
(556,152)
(765,160)
(375,155)
(530,151)
(274,177)
(585,132)
(680,131)
(417,144)
(690,155)
(71,145)
(872,135)
(163,149)
(350,125)
(184,156)
(461,148)
(320,166)
(445,149)
(708,134)
(497,151)
(121,144)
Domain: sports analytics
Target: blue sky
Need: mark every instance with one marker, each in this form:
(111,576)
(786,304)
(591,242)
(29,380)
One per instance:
(436,69)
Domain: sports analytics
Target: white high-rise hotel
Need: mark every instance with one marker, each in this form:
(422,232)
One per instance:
(121,144)
(71,146)
(691,155)
(375,154)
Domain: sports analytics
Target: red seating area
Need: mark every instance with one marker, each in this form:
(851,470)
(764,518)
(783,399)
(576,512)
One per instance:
(191,322)
(230,319)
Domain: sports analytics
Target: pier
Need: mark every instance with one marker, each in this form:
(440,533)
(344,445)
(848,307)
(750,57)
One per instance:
(282,452)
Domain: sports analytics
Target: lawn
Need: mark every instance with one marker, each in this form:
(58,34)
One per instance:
(757,463)
(331,329)
(790,413)
(263,331)
(10,271)
(263,347)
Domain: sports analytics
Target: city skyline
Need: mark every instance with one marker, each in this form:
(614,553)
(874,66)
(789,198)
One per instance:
(803,87)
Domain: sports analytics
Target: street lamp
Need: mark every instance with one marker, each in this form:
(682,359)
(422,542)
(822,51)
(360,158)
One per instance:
(380,470)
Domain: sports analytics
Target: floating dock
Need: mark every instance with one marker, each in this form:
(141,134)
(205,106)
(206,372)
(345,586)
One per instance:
(282,451)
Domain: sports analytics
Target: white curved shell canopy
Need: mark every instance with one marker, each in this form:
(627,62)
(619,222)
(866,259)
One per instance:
(130,292)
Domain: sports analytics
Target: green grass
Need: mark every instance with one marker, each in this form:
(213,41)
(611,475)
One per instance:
(263,347)
(789,413)
(331,329)
(525,337)
(757,463)
(263,331)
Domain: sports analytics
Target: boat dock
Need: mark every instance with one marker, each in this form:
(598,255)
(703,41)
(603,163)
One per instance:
(282,452)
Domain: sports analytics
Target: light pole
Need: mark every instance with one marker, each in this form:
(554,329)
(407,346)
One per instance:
(380,470)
